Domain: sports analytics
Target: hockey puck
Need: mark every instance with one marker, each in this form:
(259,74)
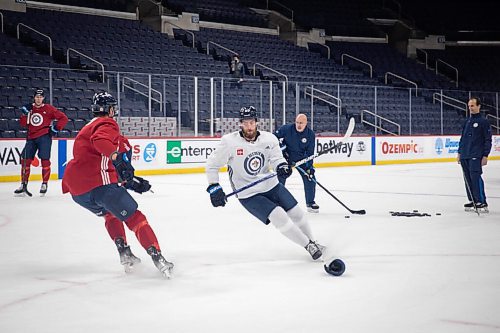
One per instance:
(335,268)
(347,217)
(415,211)
(438,213)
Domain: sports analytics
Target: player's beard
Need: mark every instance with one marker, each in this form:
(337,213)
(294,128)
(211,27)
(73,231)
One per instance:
(249,135)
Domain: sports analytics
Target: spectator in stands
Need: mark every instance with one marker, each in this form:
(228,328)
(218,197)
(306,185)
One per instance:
(237,69)
(38,118)
(297,142)
(473,151)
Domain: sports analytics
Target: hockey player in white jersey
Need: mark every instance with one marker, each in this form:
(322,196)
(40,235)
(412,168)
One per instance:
(250,154)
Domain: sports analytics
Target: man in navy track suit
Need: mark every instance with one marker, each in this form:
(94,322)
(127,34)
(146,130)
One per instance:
(297,142)
(473,151)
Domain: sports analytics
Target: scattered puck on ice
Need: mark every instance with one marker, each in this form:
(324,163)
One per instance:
(335,268)
(347,216)
(438,213)
(415,211)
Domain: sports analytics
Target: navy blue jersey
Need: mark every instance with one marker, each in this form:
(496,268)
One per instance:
(298,145)
(476,138)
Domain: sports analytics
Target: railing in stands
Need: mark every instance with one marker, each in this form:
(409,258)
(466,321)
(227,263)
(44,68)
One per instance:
(401,78)
(272,70)
(189,32)
(495,118)
(438,61)
(377,123)
(337,103)
(86,56)
(426,57)
(219,46)
(450,101)
(324,45)
(19,25)
(125,85)
(359,60)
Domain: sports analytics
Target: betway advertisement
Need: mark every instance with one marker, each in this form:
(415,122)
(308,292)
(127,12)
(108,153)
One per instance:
(355,150)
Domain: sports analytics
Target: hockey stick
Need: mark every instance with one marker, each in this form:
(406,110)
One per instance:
(358,212)
(469,190)
(347,135)
(23,166)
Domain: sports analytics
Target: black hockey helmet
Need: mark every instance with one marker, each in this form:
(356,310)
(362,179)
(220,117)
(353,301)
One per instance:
(248,112)
(102,101)
(39,92)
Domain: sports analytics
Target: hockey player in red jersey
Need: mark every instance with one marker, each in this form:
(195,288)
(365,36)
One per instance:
(38,118)
(101,160)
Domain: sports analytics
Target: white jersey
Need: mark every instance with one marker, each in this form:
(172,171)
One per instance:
(247,162)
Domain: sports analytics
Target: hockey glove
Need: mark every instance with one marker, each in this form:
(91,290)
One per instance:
(26,109)
(124,169)
(217,195)
(283,170)
(310,174)
(138,184)
(53,130)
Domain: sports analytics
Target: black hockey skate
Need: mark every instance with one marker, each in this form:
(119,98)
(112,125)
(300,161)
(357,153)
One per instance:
(127,258)
(482,207)
(165,267)
(22,191)
(469,207)
(314,250)
(43,189)
(313,208)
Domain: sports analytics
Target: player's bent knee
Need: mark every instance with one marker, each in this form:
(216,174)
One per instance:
(136,221)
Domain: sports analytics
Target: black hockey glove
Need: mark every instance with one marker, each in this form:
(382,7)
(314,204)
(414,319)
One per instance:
(138,184)
(217,195)
(124,169)
(284,170)
(25,109)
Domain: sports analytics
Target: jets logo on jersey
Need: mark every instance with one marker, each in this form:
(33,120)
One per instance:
(254,163)
(304,140)
(36,119)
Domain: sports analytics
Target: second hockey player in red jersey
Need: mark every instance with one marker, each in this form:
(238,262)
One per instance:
(38,118)
(101,160)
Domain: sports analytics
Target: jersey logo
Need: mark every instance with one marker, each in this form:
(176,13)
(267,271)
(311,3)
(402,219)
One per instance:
(304,140)
(254,162)
(475,125)
(36,119)
(239,151)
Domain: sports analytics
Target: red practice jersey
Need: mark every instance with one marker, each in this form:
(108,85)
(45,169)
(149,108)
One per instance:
(40,119)
(91,165)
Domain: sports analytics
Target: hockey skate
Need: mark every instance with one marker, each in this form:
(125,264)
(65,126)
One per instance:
(313,208)
(165,267)
(314,250)
(482,207)
(127,258)
(469,207)
(22,191)
(43,189)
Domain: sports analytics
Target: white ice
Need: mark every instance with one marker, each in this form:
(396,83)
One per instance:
(60,272)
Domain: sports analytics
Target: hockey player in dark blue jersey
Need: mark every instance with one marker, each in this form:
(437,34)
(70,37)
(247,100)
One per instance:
(297,142)
(473,151)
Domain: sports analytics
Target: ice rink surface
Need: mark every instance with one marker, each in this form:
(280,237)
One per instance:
(60,272)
